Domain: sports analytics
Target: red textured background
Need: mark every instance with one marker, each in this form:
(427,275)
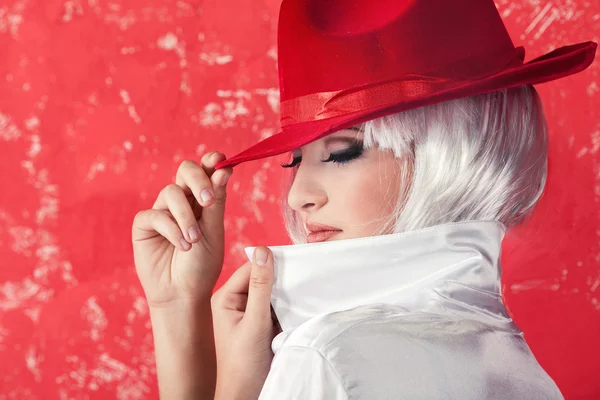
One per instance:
(99,103)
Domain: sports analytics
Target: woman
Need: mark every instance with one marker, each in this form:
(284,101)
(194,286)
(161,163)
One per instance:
(416,140)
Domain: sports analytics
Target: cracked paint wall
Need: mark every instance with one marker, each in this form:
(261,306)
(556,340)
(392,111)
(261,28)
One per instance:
(101,100)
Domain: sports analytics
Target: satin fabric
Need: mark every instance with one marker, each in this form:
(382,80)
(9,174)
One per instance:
(414,315)
(322,105)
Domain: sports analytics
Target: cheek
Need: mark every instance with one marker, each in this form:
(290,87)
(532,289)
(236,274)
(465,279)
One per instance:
(367,197)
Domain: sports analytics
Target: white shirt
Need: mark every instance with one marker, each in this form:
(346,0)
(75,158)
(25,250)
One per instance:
(414,315)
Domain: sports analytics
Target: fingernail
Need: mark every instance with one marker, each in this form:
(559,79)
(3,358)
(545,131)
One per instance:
(224,180)
(261,256)
(185,244)
(194,233)
(206,195)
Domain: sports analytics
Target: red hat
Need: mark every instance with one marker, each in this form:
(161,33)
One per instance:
(344,62)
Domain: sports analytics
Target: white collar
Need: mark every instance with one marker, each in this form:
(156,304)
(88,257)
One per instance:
(456,263)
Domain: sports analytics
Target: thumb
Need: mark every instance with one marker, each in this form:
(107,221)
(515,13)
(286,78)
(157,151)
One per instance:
(258,308)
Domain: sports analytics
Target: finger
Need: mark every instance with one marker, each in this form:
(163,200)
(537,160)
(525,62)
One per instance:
(148,223)
(258,309)
(178,205)
(195,180)
(213,213)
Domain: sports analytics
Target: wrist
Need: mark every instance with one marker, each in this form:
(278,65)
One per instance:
(238,384)
(227,392)
(184,349)
(183,324)
(181,309)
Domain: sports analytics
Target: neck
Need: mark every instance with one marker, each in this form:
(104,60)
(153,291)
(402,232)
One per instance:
(452,267)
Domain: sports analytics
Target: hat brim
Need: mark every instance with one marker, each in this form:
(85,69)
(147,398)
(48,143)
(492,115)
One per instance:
(564,61)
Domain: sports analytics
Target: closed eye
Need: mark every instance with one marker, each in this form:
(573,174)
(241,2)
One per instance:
(343,157)
(295,161)
(340,157)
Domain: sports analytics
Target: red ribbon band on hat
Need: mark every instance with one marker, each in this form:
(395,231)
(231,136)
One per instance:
(322,105)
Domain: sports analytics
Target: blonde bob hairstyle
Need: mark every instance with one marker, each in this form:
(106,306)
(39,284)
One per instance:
(482,157)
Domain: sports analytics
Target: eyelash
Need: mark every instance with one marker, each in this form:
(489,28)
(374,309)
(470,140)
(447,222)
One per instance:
(341,157)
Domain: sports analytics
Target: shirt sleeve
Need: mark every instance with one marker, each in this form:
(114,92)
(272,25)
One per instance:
(299,373)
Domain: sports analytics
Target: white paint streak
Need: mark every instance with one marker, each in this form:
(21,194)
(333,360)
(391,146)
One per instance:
(8,130)
(595,285)
(129,50)
(536,20)
(592,89)
(200,150)
(123,21)
(546,24)
(133,114)
(23,238)
(141,306)
(96,318)
(170,42)
(130,108)
(167,42)
(97,166)
(31,361)
(593,149)
(32,123)
(216,58)
(537,284)
(272,97)
(30,239)
(506,12)
(233,106)
(109,369)
(13,295)
(233,109)
(10,20)
(258,194)
(71,8)
(49,203)
(266,133)
(33,313)
(211,115)
(237,94)
(36,146)
(236,107)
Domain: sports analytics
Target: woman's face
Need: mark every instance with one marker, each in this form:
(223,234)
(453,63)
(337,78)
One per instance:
(339,184)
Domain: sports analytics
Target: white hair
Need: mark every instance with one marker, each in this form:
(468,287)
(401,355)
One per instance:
(482,157)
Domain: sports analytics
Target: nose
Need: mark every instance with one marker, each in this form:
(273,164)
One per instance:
(306,193)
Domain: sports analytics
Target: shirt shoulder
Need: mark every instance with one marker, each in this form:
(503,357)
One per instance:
(385,351)
(300,373)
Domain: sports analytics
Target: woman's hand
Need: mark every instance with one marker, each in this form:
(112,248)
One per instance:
(178,248)
(178,245)
(244,329)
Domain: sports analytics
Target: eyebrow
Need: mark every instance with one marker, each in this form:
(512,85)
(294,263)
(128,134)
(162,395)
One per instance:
(345,139)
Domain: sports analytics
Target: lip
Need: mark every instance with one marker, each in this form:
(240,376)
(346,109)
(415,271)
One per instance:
(321,236)
(315,227)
